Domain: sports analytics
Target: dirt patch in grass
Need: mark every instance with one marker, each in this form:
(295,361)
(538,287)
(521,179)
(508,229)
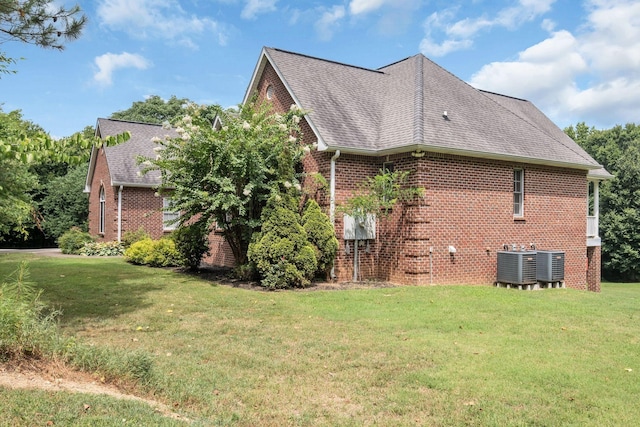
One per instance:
(225,276)
(52,376)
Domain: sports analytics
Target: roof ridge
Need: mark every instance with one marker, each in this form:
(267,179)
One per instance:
(328,60)
(130,121)
(397,62)
(418,101)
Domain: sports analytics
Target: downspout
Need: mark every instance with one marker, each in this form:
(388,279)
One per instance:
(332,200)
(120,214)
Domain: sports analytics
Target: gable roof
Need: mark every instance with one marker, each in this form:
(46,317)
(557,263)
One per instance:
(122,158)
(401,107)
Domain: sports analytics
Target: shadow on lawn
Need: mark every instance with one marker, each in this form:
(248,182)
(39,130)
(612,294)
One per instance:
(88,288)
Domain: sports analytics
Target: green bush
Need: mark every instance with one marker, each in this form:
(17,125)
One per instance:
(281,252)
(192,243)
(73,241)
(154,253)
(130,237)
(321,235)
(102,249)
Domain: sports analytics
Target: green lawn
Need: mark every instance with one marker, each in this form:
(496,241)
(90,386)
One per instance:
(442,355)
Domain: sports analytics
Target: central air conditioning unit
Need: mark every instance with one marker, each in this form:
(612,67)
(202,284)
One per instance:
(518,268)
(550,266)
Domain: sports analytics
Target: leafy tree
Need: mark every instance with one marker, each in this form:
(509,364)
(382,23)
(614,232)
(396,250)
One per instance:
(38,22)
(618,150)
(26,153)
(156,110)
(225,176)
(64,204)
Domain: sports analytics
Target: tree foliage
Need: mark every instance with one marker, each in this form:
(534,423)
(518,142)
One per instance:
(321,235)
(29,157)
(38,22)
(64,204)
(224,177)
(156,110)
(379,194)
(281,251)
(618,150)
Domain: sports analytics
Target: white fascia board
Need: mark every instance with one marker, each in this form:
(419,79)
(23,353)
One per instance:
(255,78)
(465,153)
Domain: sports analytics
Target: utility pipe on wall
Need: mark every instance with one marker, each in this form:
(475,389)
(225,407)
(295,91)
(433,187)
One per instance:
(120,214)
(332,199)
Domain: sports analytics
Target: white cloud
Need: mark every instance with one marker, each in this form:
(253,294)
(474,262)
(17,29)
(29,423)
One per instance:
(458,35)
(163,19)
(592,75)
(110,62)
(326,25)
(253,8)
(363,6)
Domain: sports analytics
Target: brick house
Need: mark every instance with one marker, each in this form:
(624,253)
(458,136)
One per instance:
(122,198)
(496,171)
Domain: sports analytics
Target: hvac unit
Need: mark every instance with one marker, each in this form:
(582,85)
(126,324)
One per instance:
(550,266)
(518,268)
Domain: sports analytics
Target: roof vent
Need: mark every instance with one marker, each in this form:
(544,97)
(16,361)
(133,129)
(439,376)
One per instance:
(445,115)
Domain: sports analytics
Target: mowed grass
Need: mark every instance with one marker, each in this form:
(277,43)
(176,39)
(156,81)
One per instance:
(433,356)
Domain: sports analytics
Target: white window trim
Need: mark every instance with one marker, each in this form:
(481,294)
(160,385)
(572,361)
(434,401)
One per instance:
(102,210)
(520,194)
(168,215)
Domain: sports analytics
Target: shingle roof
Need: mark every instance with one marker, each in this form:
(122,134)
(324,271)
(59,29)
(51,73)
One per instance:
(400,107)
(122,158)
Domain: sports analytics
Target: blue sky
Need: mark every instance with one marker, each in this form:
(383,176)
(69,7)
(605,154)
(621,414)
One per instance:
(576,60)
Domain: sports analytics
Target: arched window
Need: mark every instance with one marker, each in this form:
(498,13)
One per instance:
(103,210)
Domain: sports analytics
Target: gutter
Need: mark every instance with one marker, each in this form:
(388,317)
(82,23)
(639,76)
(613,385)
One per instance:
(332,201)
(120,214)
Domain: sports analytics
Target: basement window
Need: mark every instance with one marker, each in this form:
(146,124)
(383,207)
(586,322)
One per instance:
(518,193)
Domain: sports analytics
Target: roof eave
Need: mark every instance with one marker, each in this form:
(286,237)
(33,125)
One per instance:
(467,153)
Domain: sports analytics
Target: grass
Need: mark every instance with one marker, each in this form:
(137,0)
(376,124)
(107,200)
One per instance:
(438,356)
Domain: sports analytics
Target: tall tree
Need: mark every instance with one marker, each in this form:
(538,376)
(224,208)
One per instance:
(225,176)
(618,150)
(38,22)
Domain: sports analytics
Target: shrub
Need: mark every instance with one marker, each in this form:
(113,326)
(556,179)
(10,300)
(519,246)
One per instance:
(281,253)
(130,237)
(192,243)
(321,235)
(102,249)
(154,253)
(73,241)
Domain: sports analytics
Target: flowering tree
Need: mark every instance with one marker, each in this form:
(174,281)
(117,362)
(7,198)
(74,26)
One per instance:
(223,176)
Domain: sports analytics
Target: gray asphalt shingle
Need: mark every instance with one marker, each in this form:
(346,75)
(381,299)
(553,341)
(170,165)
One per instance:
(400,106)
(122,158)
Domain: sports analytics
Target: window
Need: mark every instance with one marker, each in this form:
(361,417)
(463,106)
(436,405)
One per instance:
(269,92)
(518,192)
(103,210)
(169,216)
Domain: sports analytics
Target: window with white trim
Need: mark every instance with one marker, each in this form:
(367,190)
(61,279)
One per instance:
(518,193)
(103,210)
(169,216)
